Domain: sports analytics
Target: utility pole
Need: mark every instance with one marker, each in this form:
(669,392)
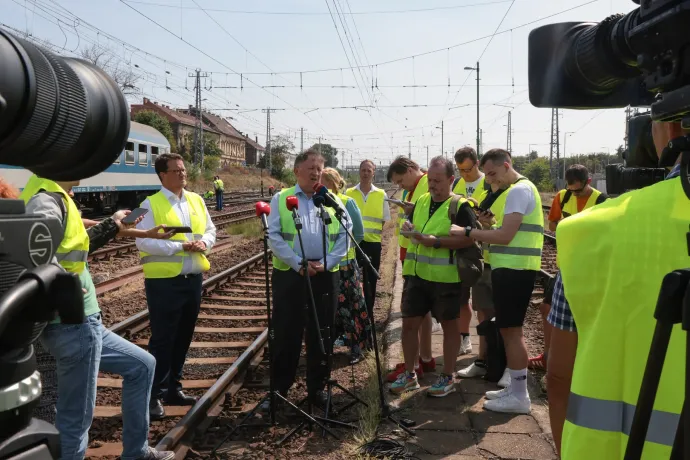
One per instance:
(427,156)
(301,140)
(319,144)
(342,157)
(268,138)
(441,137)
(198,142)
(409,149)
(509,144)
(628,116)
(555,144)
(478,136)
(481,140)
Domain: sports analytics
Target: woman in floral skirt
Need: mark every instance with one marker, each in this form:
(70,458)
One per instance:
(351,317)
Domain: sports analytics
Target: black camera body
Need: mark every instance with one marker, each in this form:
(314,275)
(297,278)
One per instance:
(64,119)
(638,59)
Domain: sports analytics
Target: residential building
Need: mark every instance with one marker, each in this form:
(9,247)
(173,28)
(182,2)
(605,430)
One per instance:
(253,150)
(232,143)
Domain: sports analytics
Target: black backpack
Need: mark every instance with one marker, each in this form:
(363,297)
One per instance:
(469,260)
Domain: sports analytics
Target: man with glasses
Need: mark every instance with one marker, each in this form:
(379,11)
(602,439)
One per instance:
(576,197)
(173,269)
(470,184)
(585,196)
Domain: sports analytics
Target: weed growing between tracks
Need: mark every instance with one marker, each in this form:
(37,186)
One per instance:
(248,229)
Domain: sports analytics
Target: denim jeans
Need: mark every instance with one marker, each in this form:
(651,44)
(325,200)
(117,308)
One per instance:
(81,350)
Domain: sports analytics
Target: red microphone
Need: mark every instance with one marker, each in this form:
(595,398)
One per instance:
(262,210)
(292,203)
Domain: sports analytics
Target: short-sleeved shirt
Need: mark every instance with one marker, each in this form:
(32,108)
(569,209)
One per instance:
(560,315)
(520,199)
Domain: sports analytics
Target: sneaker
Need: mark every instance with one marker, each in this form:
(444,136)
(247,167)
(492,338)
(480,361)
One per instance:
(505,379)
(429,366)
(153,454)
(443,386)
(339,342)
(400,369)
(435,326)
(466,345)
(406,382)
(497,394)
(509,404)
(473,370)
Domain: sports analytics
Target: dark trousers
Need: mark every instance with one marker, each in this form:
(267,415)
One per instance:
(219,200)
(373,251)
(291,312)
(174,305)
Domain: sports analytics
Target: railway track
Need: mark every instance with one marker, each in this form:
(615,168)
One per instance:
(228,342)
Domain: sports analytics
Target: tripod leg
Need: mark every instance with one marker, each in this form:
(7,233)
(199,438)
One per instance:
(243,422)
(679,442)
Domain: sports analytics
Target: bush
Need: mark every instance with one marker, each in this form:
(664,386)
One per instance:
(193,171)
(288,176)
(211,165)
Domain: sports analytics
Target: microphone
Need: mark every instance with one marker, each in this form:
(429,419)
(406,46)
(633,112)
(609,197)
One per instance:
(262,210)
(329,200)
(318,200)
(292,203)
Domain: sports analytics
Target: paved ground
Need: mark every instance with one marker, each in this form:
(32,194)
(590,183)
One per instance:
(456,427)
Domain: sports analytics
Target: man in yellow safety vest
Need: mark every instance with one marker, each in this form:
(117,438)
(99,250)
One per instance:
(515,251)
(576,197)
(375,212)
(219,188)
(407,175)
(173,274)
(638,238)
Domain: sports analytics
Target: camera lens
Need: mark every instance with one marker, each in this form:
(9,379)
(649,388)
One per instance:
(62,118)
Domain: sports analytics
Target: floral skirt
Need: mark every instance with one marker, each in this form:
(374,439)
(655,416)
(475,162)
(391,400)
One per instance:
(352,318)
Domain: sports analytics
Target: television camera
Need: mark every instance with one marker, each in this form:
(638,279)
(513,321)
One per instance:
(637,59)
(63,119)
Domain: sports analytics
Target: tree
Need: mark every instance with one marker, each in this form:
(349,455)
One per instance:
(122,74)
(281,147)
(152,119)
(329,153)
(533,155)
(537,171)
(211,147)
(620,152)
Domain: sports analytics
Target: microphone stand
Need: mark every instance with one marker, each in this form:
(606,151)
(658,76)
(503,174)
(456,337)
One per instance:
(386,411)
(273,395)
(331,382)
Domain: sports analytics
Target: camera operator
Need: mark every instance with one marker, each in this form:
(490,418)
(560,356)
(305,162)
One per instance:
(595,370)
(82,350)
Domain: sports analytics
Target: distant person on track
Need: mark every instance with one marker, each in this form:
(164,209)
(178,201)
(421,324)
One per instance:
(82,350)
(564,206)
(433,284)
(515,254)
(407,175)
(291,303)
(219,188)
(470,184)
(596,366)
(172,271)
(375,212)
(352,316)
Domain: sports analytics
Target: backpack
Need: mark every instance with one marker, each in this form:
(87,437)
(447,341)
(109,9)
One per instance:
(469,260)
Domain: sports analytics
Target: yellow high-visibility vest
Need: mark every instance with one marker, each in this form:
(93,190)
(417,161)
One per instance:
(421,189)
(635,240)
(74,247)
(429,263)
(570,207)
(497,208)
(289,231)
(524,251)
(164,214)
(479,193)
(372,212)
(351,251)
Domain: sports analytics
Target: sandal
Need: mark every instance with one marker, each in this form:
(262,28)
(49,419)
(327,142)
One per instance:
(538,362)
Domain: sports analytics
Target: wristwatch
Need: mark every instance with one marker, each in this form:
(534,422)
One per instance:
(437,243)
(468,229)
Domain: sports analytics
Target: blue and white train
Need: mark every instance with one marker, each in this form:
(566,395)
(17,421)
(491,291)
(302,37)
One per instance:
(126,183)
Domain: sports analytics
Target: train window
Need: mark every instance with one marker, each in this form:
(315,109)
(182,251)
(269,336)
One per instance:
(154,155)
(129,153)
(143,148)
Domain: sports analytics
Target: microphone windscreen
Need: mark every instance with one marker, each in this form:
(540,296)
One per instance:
(292,202)
(262,208)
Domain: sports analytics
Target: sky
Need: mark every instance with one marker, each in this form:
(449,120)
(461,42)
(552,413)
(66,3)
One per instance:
(257,54)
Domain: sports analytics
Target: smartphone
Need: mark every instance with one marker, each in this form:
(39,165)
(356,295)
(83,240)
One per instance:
(134,215)
(394,201)
(410,234)
(178,229)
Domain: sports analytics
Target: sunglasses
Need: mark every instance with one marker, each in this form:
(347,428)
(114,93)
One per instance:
(576,190)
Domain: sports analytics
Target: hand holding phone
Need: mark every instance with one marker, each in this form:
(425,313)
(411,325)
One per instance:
(178,229)
(394,201)
(134,215)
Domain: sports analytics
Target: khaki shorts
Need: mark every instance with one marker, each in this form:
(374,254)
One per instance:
(482,292)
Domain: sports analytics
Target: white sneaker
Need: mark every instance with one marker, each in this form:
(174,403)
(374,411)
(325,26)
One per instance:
(471,371)
(505,379)
(466,345)
(509,404)
(497,394)
(435,326)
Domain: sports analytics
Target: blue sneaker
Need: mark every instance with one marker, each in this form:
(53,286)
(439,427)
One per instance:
(405,382)
(443,386)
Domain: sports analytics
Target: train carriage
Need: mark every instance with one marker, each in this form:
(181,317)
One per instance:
(126,183)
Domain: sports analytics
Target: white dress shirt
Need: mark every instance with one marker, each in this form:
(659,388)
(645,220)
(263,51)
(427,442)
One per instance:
(157,247)
(386,208)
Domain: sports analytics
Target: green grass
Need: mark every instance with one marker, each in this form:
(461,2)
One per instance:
(249,229)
